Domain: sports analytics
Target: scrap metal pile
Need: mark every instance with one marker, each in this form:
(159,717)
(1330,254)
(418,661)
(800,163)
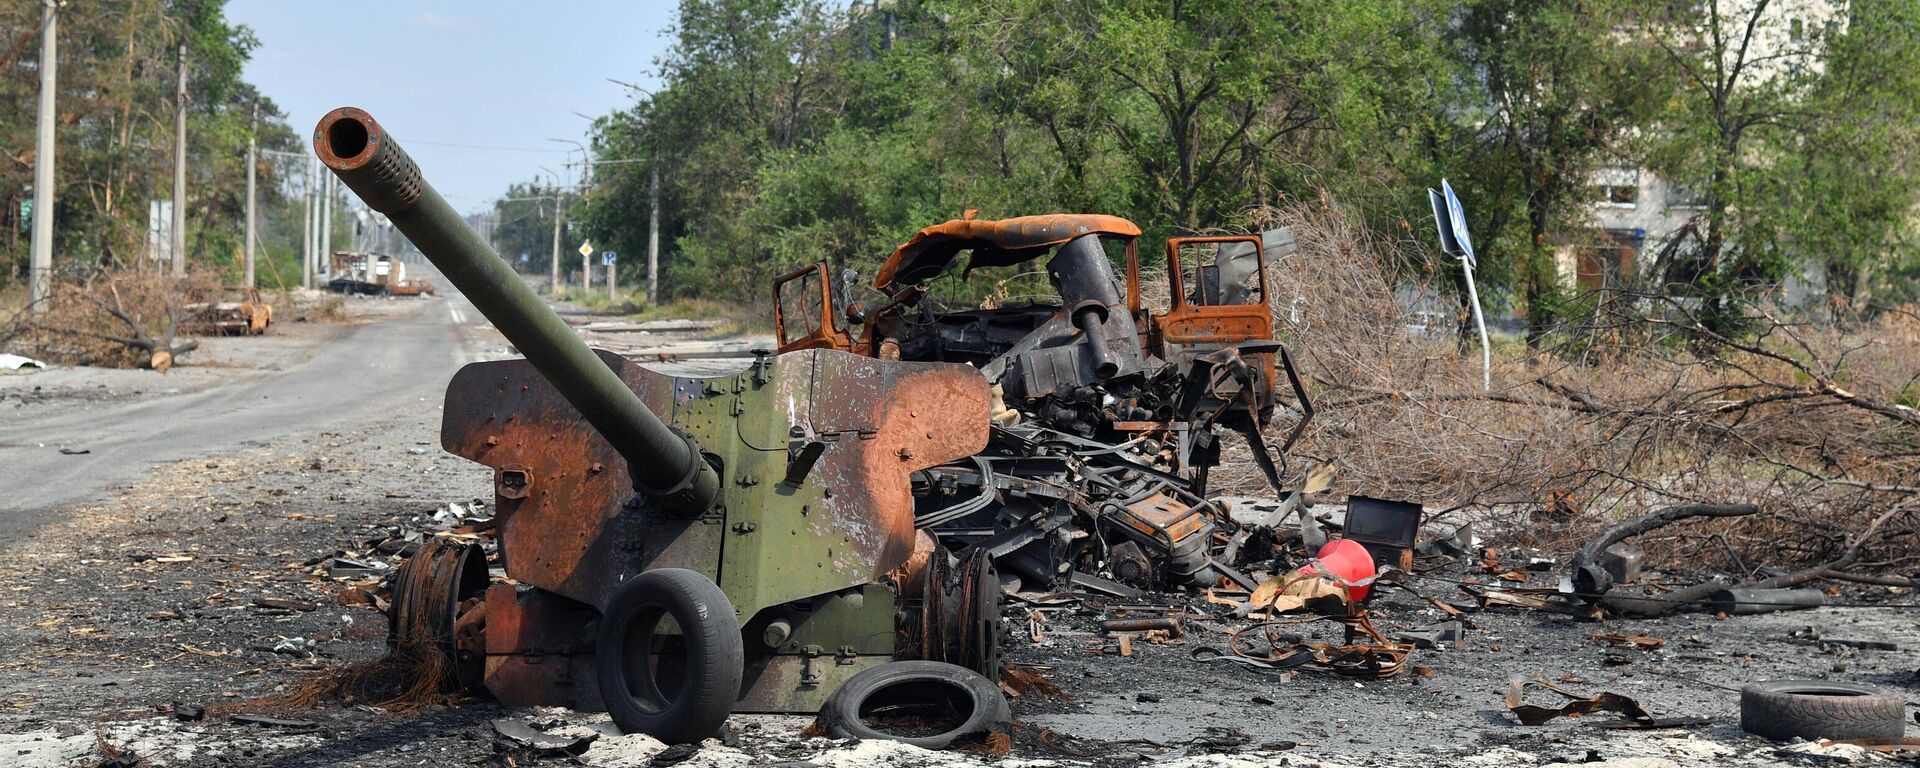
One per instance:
(1108,412)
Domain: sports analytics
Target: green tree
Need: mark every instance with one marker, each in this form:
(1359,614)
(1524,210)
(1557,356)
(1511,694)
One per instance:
(1744,70)
(115,134)
(1854,169)
(523,225)
(1551,88)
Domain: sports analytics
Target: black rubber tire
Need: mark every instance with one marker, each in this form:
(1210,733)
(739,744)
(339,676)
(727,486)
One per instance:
(989,713)
(714,660)
(1818,709)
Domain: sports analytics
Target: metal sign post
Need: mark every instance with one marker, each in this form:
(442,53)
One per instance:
(586,265)
(1451,221)
(607,258)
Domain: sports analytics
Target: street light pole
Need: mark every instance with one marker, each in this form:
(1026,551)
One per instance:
(653,201)
(586,183)
(179,242)
(653,232)
(556,239)
(326,225)
(306,228)
(253,165)
(40,263)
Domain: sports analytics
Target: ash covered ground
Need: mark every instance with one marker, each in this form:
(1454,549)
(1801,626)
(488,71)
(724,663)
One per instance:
(203,584)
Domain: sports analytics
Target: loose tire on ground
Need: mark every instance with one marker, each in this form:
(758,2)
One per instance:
(1817,709)
(933,690)
(706,674)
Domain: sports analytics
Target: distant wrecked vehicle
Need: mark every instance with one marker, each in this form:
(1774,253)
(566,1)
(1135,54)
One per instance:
(374,274)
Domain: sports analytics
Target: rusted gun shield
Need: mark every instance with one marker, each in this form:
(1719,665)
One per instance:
(852,428)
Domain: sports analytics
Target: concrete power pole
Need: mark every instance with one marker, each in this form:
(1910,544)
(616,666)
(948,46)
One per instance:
(556,240)
(179,243)
(326,225)
(653,233)
(306,230)
(40,264)
(253,163)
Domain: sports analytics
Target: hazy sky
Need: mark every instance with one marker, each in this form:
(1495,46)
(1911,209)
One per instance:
(499,78)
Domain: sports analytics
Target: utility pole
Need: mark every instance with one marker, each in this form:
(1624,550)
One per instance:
(326,225)
(611,282)
(40,264)
(556,239)
(253,163)
(653,232)
(306,229)
(179,243)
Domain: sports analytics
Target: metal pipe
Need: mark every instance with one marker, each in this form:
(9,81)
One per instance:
(1742,601)
(1094,327)
(664,463)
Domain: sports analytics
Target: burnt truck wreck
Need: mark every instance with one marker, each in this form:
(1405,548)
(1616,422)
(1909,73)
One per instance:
(1107,411)
(676,549)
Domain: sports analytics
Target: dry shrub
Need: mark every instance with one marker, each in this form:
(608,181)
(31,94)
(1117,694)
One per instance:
(1640,406)
(111,319)
(411,675)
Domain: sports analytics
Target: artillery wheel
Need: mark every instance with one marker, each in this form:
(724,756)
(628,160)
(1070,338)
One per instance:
(428,593)
(960,613)
(670,656)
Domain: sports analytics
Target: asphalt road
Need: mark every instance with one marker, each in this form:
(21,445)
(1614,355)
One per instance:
(363,374)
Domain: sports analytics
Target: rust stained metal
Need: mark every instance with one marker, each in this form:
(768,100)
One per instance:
(1365,651)
(537,653)
(574,518)
(1190,329)
(1164,518)
(566,526)
(994,243)
(958,617)
(428,594)
(891,419)
(821,331)
(1530,714)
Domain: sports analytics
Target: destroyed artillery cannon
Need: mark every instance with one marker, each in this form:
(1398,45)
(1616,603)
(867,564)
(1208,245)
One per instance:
(677,548)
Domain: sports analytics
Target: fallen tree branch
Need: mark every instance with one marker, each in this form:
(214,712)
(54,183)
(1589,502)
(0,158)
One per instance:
(1592,580)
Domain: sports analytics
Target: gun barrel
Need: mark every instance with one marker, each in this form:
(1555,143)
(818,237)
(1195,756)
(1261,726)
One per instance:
(663,462)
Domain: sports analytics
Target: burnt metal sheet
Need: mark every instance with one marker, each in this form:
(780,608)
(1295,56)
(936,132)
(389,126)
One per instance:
(994,243)
(537,651)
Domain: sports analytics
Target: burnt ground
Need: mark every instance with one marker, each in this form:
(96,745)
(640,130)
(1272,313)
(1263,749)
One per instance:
(119,608)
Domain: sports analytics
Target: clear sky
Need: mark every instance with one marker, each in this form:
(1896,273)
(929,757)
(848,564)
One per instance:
(500,78)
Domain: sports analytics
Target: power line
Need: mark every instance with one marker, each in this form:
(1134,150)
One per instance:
(486,146)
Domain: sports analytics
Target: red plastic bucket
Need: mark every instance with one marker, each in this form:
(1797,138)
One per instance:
(1347,561)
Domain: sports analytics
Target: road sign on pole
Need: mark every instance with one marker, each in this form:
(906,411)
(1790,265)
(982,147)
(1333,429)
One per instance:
(1450,218)
(586,248)
(606,258)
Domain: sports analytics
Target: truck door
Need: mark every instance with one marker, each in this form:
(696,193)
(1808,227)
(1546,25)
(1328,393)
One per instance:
(1219,299)
(803,316)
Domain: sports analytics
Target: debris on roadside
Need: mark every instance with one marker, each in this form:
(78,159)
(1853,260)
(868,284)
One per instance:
(1576,706)
(550,741)
(12,362)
